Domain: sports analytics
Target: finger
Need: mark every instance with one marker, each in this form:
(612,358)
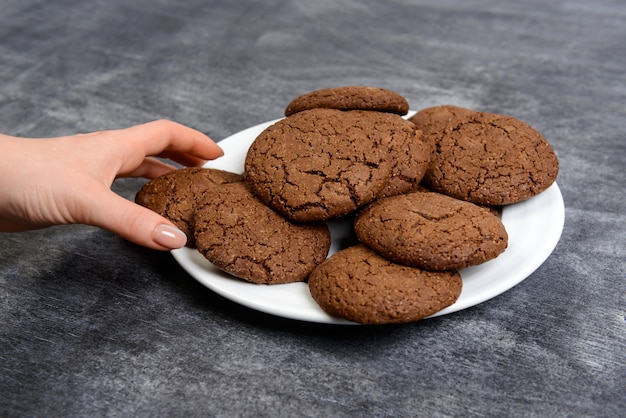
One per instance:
(136,223)
(184,159)
(150,168)
(162,136)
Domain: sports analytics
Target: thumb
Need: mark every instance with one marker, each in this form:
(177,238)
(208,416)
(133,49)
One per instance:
(137,224)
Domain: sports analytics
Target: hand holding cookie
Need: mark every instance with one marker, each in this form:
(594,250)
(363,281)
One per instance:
(68,179)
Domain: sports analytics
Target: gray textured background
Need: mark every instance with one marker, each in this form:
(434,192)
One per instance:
(91,325)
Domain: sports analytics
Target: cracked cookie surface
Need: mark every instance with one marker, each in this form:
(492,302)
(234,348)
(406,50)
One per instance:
(431,231)
(438,118)
(350,98)
(322,163)
(490,159)
(359,285)
(175,194)
(243,237)
(410,155)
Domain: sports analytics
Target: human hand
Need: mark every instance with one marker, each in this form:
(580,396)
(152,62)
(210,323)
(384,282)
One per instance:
(68,180)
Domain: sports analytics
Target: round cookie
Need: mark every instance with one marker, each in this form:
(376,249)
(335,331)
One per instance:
(243,237)
(431,231)
(320,164)
(491,159)
(350,98)
(175,194)
(436,119)
(359,285)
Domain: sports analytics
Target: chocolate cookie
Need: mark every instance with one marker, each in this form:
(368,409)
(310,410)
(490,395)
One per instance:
(174,195)
(431,231)
(491,159)
(320,164)
(438,118)
(243,237)
(359,285)
(350,98)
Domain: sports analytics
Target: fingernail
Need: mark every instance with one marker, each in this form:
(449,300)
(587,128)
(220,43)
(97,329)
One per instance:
(170,237)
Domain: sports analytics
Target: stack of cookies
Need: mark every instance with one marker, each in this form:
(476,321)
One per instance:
(422,195)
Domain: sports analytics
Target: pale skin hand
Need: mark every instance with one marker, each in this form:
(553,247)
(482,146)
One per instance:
(67,180)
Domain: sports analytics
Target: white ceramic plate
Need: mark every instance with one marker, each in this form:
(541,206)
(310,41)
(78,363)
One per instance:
(534,228)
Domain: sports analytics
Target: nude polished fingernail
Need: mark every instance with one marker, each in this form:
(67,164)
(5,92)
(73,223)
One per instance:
(170,237)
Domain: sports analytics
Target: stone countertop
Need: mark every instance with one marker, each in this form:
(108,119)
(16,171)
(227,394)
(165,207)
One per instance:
(91,325)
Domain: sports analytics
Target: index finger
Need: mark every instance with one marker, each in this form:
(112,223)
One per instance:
(164,136)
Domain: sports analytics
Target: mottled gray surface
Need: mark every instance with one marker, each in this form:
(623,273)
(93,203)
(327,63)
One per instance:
(91,325)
